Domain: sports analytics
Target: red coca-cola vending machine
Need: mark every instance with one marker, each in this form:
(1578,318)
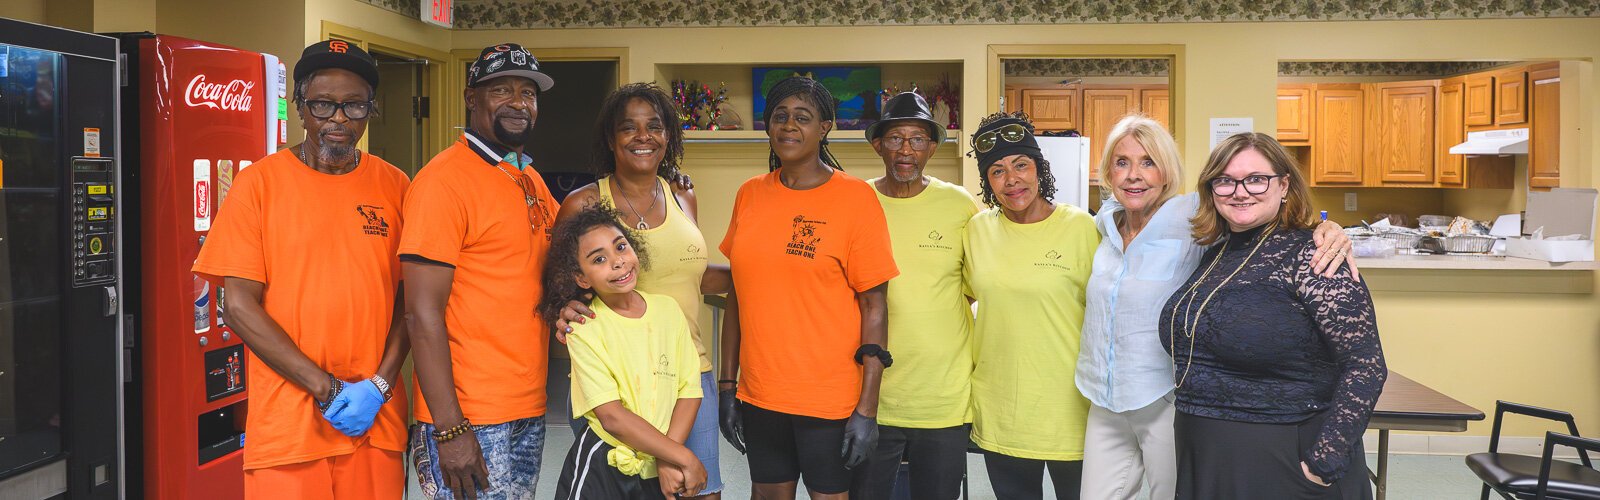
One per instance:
(198,113)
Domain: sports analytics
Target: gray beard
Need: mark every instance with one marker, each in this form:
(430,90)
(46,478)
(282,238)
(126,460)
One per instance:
(336,155)
(908,178)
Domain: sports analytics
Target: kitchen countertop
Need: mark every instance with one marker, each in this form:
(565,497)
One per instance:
(1471,262)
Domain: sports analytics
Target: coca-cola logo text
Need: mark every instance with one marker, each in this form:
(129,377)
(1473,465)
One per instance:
(231,96)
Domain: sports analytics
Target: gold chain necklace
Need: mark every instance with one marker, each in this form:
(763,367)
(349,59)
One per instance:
(1192,293)
(526,196)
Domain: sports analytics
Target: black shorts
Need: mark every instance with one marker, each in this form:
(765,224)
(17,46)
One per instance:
(585,474)
(785,448)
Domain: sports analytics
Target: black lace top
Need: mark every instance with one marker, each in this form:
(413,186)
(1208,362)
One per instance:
(1277,343)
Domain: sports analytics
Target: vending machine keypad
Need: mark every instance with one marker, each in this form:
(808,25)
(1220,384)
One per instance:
(94,221)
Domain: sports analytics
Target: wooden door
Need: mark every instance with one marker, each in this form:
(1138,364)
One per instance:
(1544,151)
(1157,104)
(1052,109)
(1336,158)
(1013,98)
(1479,109)
(1511,97)
(1405,119)
(1294,114)
(1451,130)
(1102,108)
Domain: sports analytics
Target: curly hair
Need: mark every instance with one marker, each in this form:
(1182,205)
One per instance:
(561,267)
(615,109)
(813,93)
(1047,180)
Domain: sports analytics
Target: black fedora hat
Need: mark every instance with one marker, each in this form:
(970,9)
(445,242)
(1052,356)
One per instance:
(906,106)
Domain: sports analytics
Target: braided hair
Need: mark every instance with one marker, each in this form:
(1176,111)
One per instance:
(813,93)
(615,109)
(1047,181)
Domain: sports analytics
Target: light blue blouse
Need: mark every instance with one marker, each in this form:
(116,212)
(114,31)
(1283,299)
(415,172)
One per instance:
(1121,364)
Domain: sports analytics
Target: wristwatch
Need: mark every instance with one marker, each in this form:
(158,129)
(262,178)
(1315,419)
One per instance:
(383,386)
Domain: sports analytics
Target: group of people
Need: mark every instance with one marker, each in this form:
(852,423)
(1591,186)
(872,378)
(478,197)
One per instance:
(1204,345)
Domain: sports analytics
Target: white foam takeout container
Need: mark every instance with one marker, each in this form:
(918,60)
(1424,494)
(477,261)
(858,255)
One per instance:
(1562,211)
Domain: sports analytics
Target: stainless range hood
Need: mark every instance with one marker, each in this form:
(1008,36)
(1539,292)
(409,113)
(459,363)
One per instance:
(1494,142)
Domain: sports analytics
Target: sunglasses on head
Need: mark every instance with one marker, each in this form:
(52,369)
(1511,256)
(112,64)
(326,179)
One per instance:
(986,141)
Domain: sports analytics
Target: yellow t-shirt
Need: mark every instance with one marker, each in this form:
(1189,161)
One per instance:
(1029,280)
(930,323)
(677,261)
(648,364)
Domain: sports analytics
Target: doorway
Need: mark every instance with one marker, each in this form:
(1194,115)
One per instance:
(567,118)
(395,132)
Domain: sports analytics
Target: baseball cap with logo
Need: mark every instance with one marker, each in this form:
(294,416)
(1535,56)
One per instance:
(507,59)
(338,54)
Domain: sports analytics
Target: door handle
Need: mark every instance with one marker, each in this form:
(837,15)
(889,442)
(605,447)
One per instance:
(111,301)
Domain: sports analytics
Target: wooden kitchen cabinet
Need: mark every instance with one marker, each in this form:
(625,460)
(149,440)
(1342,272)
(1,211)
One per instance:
(1479,106)
(1102,109)
(1544,147)
(1452,130)
(1511,97)
(1052,109)
(1157,104)
(1401,122)
(1013,98)
(1294,114)
(1339,135)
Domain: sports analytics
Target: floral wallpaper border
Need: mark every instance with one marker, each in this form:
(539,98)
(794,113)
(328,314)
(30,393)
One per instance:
(533,14)
(1410,68)
(408,8)
(1086,67)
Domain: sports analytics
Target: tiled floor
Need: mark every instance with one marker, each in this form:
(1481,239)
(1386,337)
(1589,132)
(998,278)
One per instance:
(1411,477)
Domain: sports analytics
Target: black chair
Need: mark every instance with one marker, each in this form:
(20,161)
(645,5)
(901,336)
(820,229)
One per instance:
(1523,477)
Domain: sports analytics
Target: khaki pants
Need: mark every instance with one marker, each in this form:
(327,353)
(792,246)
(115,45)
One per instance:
(1121,449)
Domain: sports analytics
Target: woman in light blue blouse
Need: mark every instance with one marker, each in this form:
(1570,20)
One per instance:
(1146,252)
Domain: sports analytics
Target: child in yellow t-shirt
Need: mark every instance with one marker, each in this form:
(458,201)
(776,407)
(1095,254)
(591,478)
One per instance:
(635,371)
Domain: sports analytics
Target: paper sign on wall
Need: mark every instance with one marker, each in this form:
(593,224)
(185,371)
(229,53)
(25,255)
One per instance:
(202,195)
(1223,128)
(91,142)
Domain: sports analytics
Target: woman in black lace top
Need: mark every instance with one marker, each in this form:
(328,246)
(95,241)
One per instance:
(1277,367)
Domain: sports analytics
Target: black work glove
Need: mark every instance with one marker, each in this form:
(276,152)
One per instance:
(732,425)
(860,437)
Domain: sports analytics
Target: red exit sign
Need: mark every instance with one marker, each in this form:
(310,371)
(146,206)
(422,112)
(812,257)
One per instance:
(438,12)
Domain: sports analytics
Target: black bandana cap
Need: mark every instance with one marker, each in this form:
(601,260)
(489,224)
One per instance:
(1002,148)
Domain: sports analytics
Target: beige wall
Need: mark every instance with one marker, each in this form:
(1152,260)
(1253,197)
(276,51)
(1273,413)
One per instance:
(1478,336)
(32,11)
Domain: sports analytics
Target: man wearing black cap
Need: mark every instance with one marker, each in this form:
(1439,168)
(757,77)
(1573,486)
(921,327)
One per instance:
(305,246)
(478,226)
(923,403)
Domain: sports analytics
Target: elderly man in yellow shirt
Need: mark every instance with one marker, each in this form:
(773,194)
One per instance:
(923,406)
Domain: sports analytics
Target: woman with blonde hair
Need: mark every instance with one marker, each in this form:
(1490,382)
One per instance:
(1277,367)
(1145,253)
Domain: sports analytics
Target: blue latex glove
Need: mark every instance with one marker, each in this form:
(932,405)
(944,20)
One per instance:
(353,410)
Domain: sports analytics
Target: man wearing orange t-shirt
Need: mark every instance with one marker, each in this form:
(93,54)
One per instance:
(478,227)
(305,245)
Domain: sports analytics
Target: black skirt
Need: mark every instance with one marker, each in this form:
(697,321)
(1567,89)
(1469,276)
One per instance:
(1221,459)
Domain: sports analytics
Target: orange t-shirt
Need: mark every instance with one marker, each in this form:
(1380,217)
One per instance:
(799,258)
(469,213)
(324,245)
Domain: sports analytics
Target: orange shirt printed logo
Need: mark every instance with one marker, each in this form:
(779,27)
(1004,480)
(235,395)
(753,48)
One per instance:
(804,241)
(374,225)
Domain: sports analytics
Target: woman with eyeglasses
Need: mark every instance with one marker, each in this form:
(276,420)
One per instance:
(1027,264)
(803,342)
(1145,253)
(1277,367)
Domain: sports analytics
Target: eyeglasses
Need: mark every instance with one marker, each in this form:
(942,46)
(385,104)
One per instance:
(1253,184)
(918,143)
(323,110)
(1009,133)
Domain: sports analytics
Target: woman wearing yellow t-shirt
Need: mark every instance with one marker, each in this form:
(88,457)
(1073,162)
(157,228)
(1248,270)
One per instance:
(1027,264)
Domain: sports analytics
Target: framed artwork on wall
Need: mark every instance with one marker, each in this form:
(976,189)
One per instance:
(854,87)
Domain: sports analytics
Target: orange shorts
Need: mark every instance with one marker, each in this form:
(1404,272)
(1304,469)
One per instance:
(368,473)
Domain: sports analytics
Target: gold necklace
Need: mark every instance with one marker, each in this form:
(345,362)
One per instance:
(1191,294)
(526,196)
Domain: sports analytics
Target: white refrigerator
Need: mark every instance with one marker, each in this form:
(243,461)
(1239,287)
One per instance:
(1069,163)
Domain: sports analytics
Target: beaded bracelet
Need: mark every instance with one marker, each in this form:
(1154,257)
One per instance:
(441,436)
(335,386)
